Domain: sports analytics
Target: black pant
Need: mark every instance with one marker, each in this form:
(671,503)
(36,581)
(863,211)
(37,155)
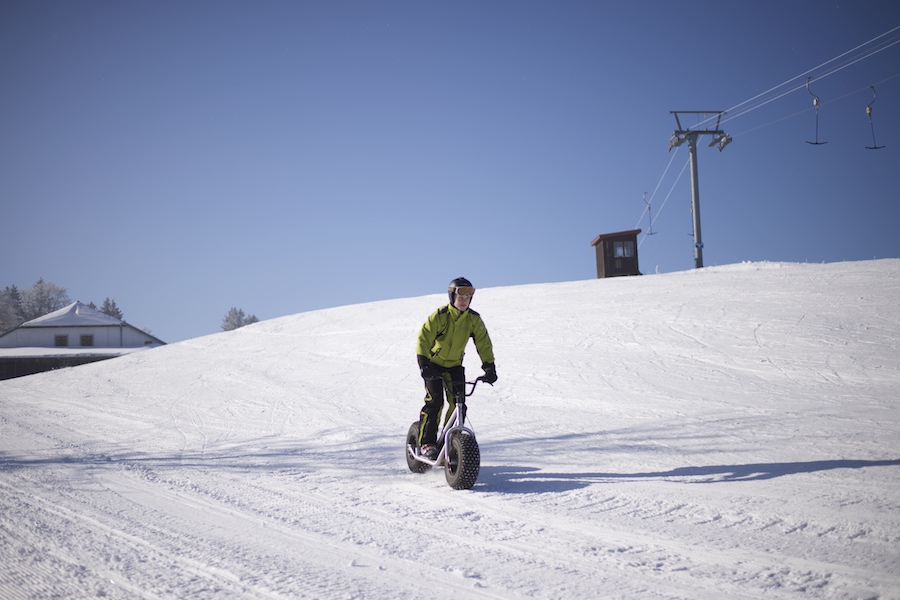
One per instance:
(453,382)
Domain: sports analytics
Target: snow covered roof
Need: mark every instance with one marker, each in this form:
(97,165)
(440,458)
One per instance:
(76,314)
(81,320)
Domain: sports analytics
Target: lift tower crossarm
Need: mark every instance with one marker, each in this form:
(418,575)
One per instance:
(718,114)
(678,137)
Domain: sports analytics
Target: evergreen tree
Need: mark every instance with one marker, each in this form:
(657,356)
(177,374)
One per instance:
(110,308)
(10,309)
(236,318)
(233,319)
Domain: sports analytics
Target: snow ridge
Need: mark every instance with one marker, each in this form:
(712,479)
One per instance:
(729,432)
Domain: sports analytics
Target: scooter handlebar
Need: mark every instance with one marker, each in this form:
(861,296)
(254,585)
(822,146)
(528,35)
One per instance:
(474,384)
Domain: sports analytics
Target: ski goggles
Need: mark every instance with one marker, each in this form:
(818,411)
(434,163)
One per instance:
(465,291)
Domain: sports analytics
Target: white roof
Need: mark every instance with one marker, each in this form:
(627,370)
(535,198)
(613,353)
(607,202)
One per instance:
(76,314)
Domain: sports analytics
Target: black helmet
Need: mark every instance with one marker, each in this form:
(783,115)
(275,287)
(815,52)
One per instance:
(459,282)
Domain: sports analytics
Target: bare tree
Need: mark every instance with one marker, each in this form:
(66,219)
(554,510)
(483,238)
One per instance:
(42,298)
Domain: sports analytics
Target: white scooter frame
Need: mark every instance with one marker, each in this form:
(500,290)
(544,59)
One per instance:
(458,450)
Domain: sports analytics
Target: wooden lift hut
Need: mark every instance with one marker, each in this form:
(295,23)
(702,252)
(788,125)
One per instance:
(617,254)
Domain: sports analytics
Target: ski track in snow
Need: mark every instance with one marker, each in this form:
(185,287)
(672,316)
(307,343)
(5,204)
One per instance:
(724,433)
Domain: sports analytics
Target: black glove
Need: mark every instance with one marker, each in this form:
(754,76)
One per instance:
(490,372)
(428,369)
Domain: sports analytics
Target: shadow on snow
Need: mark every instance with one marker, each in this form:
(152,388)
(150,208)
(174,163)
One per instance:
(376,455)
(528,480)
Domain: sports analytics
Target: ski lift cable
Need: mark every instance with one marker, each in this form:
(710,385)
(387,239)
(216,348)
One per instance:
(807,72)
(801,86)
(656,189)
(672,189)
(666,199)
(805,110)
(884,45)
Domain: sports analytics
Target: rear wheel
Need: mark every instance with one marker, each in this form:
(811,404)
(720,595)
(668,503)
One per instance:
(412,439)
(463,461)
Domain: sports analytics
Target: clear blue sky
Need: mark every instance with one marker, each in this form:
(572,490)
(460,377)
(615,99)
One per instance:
(182,158)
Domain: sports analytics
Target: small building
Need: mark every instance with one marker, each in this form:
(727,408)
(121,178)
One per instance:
(617,254)
(70,336)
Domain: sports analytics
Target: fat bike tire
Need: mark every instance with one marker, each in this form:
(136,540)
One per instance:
(412,439)
(463,461)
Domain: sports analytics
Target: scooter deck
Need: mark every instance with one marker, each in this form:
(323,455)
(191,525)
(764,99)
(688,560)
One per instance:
(414,452)
(442,456)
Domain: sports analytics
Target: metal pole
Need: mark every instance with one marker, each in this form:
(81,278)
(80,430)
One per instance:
(678,137)
(695,201)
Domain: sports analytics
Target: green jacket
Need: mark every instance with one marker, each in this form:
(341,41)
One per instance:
(446,332)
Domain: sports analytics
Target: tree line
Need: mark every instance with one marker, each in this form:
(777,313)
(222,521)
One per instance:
(18,306)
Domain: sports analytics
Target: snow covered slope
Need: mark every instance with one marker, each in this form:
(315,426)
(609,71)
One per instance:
(730,432)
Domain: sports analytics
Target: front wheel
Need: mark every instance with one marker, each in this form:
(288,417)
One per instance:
(412,439)
(463,461)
